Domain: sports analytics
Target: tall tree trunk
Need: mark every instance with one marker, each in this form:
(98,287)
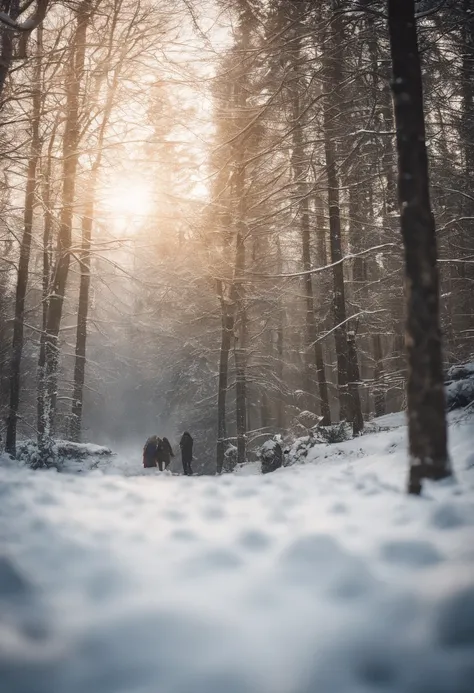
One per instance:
(82,312)
(464,270)
(240,325)
(61,270)
(313,351)
(227,329)
(394,261)
(280,418)
(353,385)
(467,86)
(332,64)
(46,276)
(427,431)
(25,250)
(379,377)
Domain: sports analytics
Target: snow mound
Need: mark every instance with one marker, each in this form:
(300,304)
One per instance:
(320,577)
(66,455)
(459,386)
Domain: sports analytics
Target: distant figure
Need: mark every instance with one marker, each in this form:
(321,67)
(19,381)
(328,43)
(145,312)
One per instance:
(186,445)
(165,453)
(151,452)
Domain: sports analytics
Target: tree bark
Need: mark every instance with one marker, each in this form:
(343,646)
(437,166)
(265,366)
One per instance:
(46,276)
(240,324)
(464,270)
(379,377)
(280,418)
(314,363)
(25,251)
(353,385)
(82,313)
(332,67)
(427,432)
(227,317)
(61,270)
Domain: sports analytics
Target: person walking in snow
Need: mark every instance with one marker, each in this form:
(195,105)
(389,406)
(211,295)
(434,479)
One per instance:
(165,453)
(151,452)
(186,445)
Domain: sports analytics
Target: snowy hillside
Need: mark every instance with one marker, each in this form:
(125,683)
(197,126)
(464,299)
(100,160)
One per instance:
(323,577)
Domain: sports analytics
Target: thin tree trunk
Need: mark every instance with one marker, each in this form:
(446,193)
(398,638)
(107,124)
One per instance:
(280,419)
(82,312)
(464,297)
(227,317)
(427,432)
(311,333)
(353,385)
(331,112)
(394,260)
(61,271)
(314,364)
(265,418)
(25,251)
(321,250)
(240,321)
(379,377)
(240,402)
(46,277)
(240,326)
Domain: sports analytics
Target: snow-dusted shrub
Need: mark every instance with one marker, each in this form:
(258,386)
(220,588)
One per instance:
(230,459)
(335,433)
(461,371)
(459,386)
(62,454)
(271,455)
(298,451)
(304,422)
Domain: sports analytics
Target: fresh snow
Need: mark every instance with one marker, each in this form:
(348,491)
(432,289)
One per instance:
(323,577)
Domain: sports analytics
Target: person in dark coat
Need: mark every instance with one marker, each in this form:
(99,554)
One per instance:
(165,453)
(151,452)
(186,445)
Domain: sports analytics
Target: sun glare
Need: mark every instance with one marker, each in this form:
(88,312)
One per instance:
(128,198)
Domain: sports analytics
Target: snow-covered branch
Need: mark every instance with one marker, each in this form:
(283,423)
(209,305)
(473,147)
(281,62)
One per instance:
(316,270)
(29,24)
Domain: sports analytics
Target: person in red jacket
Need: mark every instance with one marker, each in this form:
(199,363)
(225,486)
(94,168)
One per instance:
(151,452)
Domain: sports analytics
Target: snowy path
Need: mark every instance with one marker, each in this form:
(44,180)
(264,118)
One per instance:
(319,578)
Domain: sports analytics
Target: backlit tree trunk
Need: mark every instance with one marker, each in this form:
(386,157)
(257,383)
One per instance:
(61,270)
(46,198)
(332,60)
(25,250)
(227,328)
(314,353)
(240,324)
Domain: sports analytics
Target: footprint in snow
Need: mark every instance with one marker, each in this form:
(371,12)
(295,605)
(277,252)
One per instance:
(411,553)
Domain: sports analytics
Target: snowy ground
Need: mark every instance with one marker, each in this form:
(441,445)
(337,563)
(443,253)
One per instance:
(319,578)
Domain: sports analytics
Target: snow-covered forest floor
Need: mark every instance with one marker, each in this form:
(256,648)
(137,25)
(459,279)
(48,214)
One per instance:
(319,577)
